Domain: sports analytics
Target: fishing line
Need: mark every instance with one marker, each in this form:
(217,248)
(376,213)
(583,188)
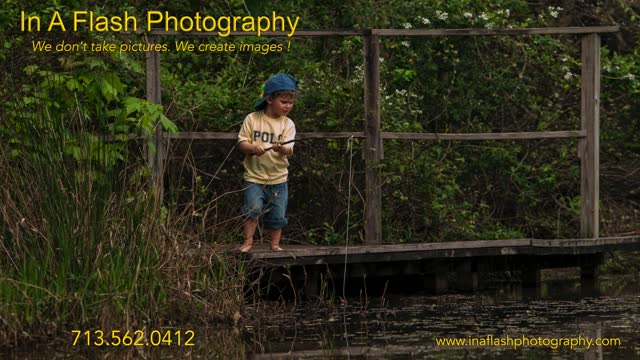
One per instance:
(346,245)
(346,242)
(215,175)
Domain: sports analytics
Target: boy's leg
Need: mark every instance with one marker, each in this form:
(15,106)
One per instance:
(275,235)
(275,218)
(249,227)
(252,209)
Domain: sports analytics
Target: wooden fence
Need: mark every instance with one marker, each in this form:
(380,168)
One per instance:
(588,135)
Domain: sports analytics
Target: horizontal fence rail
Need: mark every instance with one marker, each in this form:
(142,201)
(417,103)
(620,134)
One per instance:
(588,135)
(404,32)
(234,135)
(486,136)
(494,32)
(395,135)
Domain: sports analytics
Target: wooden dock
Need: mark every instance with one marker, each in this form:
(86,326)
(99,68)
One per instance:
(435,263)
(430,261)
(317,255)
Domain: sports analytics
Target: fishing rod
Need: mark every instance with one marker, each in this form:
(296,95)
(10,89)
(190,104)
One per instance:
(284,143)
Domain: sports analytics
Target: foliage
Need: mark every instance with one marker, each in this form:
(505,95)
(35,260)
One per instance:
(447,190)
(84,241)
(91,223)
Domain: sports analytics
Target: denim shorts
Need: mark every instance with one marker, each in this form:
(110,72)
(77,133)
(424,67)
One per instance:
(267,203)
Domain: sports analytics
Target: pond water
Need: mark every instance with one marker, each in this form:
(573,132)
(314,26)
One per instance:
(407,326)
(401,327)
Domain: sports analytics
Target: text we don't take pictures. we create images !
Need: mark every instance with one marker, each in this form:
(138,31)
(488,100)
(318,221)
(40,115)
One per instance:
(159,20)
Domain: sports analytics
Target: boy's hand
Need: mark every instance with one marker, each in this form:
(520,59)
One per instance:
(281,149)
(258,150)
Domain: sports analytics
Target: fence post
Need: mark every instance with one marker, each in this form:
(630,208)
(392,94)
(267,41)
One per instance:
(373,145)
(589,147)
(156,158)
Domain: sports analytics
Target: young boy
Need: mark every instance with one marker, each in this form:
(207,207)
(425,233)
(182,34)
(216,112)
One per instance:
(266,161)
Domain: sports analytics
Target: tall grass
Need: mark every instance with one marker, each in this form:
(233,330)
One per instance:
(84,243)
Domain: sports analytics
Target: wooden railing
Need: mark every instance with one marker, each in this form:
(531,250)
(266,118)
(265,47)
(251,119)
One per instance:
(588,135)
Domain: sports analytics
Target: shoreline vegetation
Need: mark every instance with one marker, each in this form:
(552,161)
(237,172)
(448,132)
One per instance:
(86,245)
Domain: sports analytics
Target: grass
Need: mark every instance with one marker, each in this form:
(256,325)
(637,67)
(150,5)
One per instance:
(86,244)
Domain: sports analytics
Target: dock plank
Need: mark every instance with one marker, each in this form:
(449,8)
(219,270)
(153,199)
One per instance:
(323,254)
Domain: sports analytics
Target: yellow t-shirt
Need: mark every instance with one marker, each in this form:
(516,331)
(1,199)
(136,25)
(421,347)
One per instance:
(271,167)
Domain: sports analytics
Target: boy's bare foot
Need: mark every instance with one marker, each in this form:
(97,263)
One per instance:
(246,247)
(276,248)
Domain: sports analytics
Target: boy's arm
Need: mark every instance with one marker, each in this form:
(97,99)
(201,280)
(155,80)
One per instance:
(285,150)
(244,140)
(289,134)
(251,149)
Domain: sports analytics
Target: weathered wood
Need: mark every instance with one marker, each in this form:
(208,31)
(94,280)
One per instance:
(487,136)
(234,135)
(430,263)
(203,135)
(298,33)
(298,254)
(589,272)
(127,137)
(373,151)
(436,280)
(373,146)
(531,275)
(331,135)
(466,276)
(589,147)
(155,157)
(401,32)
(395,135)
(603,241)
(482,32)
